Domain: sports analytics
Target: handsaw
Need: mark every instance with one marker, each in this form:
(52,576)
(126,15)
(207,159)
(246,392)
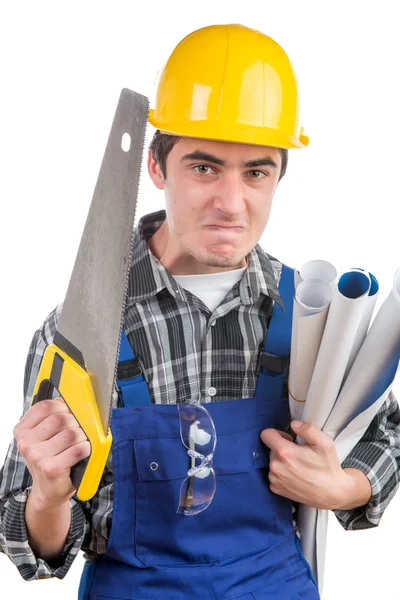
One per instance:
(81,363)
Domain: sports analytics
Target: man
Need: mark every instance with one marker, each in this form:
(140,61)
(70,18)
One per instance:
(205,308)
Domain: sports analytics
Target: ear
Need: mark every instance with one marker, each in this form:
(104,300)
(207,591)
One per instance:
(155,172)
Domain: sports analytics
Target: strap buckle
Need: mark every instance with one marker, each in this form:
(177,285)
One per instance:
(129,369)
(272,362)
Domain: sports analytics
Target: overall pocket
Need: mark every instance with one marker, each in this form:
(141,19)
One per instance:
(240,520)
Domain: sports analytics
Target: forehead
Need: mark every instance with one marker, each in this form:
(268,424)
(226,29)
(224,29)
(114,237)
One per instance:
(231,153)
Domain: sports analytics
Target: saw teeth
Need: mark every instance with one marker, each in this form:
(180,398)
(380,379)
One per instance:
(129,264)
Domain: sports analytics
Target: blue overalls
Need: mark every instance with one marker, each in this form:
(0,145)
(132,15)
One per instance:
(243,546)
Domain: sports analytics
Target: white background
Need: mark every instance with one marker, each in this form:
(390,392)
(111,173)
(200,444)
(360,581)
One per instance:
(63,65)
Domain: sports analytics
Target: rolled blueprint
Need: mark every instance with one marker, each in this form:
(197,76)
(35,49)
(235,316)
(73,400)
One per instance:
(345,313)
(365,321)
(313,524)
(319,269)
(310,311)
(366,388)
(374,368)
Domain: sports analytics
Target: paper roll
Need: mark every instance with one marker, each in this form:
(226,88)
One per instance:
(319,269)
(346,310)
(375,366)
(310,311)
(365,321)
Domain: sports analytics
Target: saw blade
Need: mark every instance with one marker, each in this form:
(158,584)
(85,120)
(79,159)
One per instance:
(91,319)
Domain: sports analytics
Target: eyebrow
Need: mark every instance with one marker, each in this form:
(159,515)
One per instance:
(258,162)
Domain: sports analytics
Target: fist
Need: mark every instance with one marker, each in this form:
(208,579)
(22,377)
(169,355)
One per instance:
(51,442)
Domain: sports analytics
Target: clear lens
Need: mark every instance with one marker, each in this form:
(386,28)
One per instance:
(199,437)
(197,428)
(197,491)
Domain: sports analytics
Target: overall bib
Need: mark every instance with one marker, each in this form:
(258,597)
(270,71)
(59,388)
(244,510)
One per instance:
(243,546)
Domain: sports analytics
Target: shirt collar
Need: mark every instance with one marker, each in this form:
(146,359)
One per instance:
(260,278)
(148,276)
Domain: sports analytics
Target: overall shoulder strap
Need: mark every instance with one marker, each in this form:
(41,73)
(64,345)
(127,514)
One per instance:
(274,359)
(130,379)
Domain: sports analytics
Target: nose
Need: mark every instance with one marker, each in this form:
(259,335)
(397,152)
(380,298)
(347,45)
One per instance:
(229,197)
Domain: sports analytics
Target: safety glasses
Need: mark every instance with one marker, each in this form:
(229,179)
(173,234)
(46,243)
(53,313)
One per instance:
(199,437)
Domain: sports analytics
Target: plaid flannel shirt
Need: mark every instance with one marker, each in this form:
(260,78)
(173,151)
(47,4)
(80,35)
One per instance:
(186,352)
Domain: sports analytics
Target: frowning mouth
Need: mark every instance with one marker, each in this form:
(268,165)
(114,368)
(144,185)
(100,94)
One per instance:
(232,228)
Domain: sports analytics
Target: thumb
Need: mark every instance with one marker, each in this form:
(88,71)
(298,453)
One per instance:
(308,431)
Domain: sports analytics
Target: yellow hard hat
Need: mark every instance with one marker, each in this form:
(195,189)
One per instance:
(229,83)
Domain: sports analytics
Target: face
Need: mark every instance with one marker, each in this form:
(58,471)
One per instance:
(218,201)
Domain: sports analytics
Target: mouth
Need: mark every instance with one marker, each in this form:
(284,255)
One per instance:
(227,228)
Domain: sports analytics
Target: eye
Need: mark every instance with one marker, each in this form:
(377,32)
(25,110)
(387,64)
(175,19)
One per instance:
(203,169)
(255,174)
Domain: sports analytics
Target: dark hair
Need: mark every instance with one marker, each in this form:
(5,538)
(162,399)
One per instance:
(162,144)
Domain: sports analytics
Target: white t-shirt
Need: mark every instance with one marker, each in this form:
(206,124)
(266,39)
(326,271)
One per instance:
(211,288)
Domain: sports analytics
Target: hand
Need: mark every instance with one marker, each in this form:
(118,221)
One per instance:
(311,473)
(51,442)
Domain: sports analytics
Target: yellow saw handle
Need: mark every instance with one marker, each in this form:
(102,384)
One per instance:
(58,370)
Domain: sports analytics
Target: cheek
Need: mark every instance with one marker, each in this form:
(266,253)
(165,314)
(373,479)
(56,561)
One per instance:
(186,201)
(261,210)
(182,210)
(267,211)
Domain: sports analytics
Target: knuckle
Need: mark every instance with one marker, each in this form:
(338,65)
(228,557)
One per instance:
(272,477)
(75,452)
(328,444)
(273,488)
(273,465)
(283,454)
(44,408)
(22,446)
(35,456)
(48,469)
(68,435)
(55,420)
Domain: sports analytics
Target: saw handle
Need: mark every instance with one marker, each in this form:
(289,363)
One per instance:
(59,371)
(45,392)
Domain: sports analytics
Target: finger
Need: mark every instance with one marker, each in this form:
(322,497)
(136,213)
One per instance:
(286,435)
(276,440)
(39,454)
(312,435)
(63,440)
(46,430)
(37,413)
(62,462)
(52,425)
(273,479)
(275,489)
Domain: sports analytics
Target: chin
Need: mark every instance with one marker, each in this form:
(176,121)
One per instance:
(224,262)
(211,258)
(219,260)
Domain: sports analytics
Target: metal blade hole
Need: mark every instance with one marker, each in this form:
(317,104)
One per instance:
(126,142)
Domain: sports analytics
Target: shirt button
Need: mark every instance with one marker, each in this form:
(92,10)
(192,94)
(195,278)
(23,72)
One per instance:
(213,323)
(212,391)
